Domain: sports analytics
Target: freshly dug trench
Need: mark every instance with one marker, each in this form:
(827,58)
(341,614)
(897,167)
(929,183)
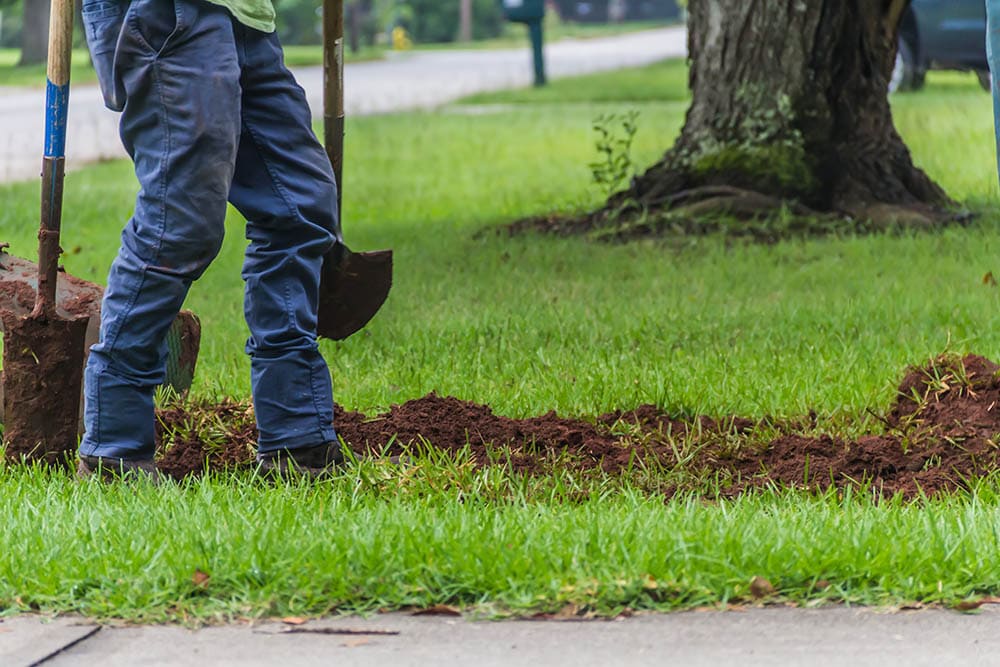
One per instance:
(942,430)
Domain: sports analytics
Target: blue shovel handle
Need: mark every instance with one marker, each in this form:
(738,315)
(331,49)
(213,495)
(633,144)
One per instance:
(53,163)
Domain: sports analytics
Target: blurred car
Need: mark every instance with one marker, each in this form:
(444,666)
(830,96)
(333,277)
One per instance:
(941,34)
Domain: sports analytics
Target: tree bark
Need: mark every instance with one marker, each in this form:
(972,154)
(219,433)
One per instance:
(354,26)
(465,21)
(790,101)
(34,32)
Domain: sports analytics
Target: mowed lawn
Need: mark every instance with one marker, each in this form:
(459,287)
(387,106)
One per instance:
(528,325)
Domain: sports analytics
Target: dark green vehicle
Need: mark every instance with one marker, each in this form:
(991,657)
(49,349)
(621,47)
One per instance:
(941,34)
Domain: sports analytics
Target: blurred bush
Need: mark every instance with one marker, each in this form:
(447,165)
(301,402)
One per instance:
(437,20)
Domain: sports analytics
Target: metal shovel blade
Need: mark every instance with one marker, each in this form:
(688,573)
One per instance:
(42,377)
(353,287)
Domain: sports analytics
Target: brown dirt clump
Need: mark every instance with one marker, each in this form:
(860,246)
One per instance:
(942,430)
(195,437)
(42,376)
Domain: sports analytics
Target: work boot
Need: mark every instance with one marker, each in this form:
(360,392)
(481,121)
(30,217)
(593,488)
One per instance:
(314,462)
(109,469)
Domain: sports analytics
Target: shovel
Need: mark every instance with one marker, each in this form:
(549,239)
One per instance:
(43,309)
(353,285)
(43,351)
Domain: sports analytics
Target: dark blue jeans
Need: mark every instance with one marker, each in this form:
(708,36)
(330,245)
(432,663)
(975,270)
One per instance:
(209,114)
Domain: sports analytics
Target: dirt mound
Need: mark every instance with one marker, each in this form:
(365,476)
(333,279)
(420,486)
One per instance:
(451,424)
(193,437)
(942,429)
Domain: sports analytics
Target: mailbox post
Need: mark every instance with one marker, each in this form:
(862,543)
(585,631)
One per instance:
(531,13)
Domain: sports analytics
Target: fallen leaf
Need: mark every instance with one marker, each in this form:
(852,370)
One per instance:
(439,610)
(968,605)
(988,279)
(821,585)
(293,620)
(761,587)
(200,579)
(351,643)
(568,611)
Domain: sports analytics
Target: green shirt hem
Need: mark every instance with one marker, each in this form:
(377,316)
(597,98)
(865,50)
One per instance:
(256,14)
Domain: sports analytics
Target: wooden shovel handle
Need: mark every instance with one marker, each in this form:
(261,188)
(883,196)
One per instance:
(333,88)
(53,161)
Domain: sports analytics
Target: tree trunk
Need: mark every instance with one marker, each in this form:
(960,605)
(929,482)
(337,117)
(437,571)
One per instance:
(465,21)
(354,26)
(790,102)
(34,32)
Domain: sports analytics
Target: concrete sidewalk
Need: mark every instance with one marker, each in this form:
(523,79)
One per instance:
(413,80)
(770,636)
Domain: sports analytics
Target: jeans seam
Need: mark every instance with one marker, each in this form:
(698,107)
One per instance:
(283,195)
(315,391)
(278,187)
(161,230)
(97,399)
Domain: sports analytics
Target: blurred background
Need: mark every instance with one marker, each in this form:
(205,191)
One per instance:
(371,23)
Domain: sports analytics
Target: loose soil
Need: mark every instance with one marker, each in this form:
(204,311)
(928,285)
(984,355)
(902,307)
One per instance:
(942,430)
(42,377)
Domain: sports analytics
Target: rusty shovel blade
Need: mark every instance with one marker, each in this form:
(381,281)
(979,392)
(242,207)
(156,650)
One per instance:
(42,377)
(353,287)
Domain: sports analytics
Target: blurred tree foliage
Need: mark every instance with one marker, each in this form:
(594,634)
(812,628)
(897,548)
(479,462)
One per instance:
(299,21)
(427,21)
(10,24)
(437,20)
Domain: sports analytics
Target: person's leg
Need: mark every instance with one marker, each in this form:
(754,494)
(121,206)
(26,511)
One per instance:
(284,186)
(178,64)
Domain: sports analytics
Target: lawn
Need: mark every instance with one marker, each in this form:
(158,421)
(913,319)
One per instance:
(532,324)
(34,75)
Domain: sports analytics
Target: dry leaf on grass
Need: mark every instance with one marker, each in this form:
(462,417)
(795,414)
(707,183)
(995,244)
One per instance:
(761,587)
(200,579)
(439,610)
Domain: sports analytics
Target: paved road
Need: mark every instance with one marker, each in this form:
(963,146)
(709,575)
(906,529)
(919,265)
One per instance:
(415,80)
(758,637)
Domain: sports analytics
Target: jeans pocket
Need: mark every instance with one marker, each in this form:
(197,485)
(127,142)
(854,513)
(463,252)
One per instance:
(154,23)
(102,24)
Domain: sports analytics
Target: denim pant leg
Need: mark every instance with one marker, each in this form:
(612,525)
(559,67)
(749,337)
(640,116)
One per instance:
(178,63)
(284,187)
(993,57)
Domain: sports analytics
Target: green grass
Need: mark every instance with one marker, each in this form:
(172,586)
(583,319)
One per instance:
(358,545)
(660,82)
(532,324)
(34,75)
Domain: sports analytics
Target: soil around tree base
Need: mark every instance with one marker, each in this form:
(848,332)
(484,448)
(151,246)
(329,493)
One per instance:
(942,430)
(732,213)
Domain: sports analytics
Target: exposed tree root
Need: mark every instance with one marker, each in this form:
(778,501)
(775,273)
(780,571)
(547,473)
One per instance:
(733,212)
